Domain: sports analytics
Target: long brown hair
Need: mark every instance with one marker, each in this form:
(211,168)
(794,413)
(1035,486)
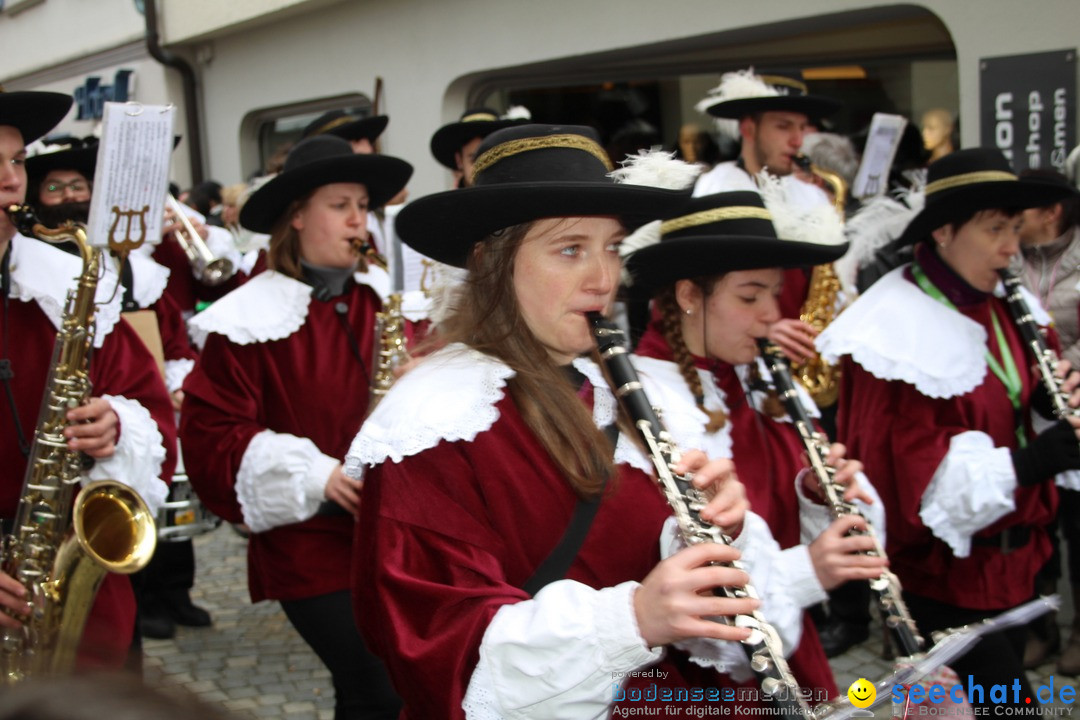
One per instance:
(487,317)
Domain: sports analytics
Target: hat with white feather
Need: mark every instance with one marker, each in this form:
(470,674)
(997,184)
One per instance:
(474,123)
(741,93)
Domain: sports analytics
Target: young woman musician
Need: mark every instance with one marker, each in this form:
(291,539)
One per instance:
(477,459)
(937,399)
(715,277)
(282,387)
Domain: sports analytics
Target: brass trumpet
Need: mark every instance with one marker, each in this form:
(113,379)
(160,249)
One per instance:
(209,269)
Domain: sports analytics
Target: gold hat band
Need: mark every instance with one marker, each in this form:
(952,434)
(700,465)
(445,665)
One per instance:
(785,82)
(735,212)
(969,179)
(475,117)
(545,142)
(338,122)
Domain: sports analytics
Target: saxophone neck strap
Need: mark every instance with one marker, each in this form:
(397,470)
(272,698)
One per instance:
(559,560)
(7,373)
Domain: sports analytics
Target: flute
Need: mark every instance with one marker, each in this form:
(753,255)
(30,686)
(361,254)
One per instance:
(763,647)
(895,614)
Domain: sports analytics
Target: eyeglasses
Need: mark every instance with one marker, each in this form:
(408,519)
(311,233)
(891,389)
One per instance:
(75,186)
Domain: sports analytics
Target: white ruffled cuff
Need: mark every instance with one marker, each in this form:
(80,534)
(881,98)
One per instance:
(795,565)
(557,655)
(139,454)
(972,488)
(176,371)
(282,480)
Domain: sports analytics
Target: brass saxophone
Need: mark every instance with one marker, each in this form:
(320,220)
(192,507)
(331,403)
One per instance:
(821,379)
(390,348)
(60,549)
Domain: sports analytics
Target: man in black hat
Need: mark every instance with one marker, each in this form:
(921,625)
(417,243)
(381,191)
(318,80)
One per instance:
(361,132)
(127,427)
(454,145)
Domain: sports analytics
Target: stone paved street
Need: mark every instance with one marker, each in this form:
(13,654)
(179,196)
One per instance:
(255,664)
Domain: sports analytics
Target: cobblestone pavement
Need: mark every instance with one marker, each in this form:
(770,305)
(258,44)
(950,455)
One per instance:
(256,665)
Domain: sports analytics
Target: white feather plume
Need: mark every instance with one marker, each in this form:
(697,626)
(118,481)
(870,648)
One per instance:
(446,288)
(646,235)
(517,112)
(656,168)
(819,224)
(737,85)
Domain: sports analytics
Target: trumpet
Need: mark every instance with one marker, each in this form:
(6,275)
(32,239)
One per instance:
(210,270)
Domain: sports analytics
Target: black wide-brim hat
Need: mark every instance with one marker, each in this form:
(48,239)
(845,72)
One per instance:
(33,113)
(967,181)
(318,161)
(720,233)
(80,157)
(526,173)
(347,127)
(474,123)
(790,96)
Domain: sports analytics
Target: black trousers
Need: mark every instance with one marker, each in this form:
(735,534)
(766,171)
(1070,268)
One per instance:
(998,659)
(362,687)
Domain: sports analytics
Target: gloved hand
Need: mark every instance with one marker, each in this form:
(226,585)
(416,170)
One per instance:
(1054,450)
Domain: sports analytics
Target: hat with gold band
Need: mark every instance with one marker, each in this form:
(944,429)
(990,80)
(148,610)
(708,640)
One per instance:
(743,93)
(525,173)
(346,126)
(967,181)
(474,123)
(33,113)
(720,233)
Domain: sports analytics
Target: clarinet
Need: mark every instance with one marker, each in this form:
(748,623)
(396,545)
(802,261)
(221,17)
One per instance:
(1046,358)
(763,647)
(894,611)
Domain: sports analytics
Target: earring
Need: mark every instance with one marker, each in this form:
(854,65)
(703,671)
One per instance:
(689,311)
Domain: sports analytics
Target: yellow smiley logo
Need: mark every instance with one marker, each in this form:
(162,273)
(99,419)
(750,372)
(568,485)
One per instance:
(862,693)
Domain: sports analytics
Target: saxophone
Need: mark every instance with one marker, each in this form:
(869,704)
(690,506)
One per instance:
(821,379)
(59,548)
(763,647)
(895,615)
(390,350)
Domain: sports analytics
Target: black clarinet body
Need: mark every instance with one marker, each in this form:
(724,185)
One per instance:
(887,590)
(763,647)
(1045,357)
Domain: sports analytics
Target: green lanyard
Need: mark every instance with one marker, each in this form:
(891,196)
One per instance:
(1008,374)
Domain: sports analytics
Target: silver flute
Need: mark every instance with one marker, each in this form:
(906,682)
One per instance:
(763,647)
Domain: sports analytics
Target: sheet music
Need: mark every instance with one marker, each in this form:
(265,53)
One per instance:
(132,175)
(881,143)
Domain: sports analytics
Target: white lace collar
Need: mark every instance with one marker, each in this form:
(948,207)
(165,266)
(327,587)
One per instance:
(451,395)
(668,391)
(148,277)
(44,274)
(270,306)
(895,331)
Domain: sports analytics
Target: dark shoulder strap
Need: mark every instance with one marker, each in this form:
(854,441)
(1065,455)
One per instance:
(562,556)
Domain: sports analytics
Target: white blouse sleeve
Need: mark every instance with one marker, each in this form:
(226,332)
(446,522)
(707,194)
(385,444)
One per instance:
(176,371)
(973,487)
(771,573)
(557,654)
(139,453)
(814,517)
(282,480)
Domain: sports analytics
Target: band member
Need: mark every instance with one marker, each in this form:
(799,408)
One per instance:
(454,145)
(715,281)
(281,388)
(936,399)
(361,132)
(61,187)
(773,114)
(127,425)
(475,461)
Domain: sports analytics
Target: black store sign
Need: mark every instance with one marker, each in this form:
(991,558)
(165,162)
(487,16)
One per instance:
(1027,107)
